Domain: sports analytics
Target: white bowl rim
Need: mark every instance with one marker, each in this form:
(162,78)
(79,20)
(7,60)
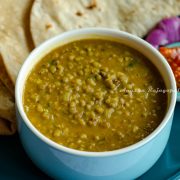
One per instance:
(127,149)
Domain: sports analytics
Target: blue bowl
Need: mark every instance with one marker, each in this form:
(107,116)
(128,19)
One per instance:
(61,162)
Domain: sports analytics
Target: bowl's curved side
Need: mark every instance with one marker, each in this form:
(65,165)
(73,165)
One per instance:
(60,165)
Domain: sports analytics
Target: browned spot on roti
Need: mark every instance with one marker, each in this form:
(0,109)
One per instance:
(92,5)
(78,13)
(48,26)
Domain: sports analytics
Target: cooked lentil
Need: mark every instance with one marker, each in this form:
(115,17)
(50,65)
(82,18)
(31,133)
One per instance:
(76,96)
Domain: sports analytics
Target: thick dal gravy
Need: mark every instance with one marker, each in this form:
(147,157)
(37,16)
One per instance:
(95,95)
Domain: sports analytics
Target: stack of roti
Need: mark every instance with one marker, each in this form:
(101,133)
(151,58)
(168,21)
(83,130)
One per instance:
(15,45)
(25,24)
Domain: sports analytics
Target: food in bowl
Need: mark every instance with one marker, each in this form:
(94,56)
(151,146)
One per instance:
(95,95)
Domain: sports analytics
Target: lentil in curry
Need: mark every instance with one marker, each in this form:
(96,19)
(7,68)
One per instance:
(93,95)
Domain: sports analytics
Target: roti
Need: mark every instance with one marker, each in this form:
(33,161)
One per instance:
(146,14)
(6,127)
(15,45)
(5,78)
(7,111)
(15,41)
(52,17)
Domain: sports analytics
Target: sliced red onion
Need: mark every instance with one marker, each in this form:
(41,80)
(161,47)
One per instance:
(166,32)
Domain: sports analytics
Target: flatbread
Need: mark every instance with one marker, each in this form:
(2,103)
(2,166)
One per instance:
(7,127)
(15,45)
(7,111)
(146,14)
(52,17)
(5,78)
(15,39)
